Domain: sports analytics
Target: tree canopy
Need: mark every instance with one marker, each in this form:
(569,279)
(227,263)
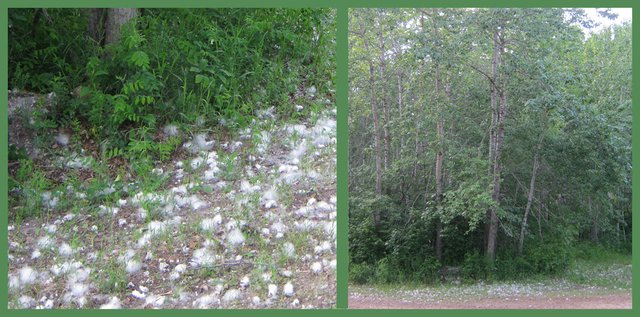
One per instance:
(491,139)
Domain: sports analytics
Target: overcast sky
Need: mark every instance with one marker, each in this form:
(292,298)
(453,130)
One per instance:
(624,15)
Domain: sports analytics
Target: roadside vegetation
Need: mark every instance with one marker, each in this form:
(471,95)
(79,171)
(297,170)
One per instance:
(489,146)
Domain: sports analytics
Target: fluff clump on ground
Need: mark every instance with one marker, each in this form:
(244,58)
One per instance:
(171,130)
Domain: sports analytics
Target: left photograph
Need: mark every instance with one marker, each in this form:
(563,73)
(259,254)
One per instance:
(171,158)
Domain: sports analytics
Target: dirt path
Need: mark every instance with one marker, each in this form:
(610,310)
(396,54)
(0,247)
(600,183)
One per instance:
(613,301)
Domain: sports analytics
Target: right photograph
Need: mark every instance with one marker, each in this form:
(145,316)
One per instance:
(490,158)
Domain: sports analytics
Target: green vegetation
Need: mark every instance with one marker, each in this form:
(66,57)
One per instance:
(488,144)
(199,71)
(163,158)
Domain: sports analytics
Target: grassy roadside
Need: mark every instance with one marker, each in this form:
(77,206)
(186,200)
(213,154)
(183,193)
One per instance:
(607,273)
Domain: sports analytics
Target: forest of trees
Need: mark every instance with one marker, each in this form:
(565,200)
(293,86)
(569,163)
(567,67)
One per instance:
(493,140)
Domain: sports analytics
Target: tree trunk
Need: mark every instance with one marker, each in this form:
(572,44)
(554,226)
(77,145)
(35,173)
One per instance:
(532,184)
(439,159)
(96,24)
(399,74)
(498,107)
(439,163)
(376,128)
(416,150)
(385,104)
(117,17)
(594,222)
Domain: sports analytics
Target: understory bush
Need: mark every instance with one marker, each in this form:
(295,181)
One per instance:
(211,66)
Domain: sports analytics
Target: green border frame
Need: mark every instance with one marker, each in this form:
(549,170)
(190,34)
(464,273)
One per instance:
(342,148)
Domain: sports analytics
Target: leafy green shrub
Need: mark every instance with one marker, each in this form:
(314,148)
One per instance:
(385,271)
(427,272)
(218,64)
(474,266)
(361,273)
(550,257)
(511,266)
(47,48)
(32,183)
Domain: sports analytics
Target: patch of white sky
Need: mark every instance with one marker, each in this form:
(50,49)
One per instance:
(601,22)
(623,15)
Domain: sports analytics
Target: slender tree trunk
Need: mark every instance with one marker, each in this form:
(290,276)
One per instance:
(400,111)
(439,109)
(532,185)
(594,222)
(439,163)
(376,123)
(376,128)
(439,179)
(385,104)
(498,106)
(116,17)
(540,221)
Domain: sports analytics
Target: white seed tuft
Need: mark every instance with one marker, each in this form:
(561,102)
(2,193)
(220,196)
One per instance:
(138,295)
(65,250)
(235,237)
(26,301)
(35,254)
(27,275)
(133,266)
(180,268)
(210,224)
(155,300)
(62,139)
(201,142)
(196,162)
(45,242)
(232,295)
(157,227)
(244,283)
(289,250)
(51,229)
(202,257)
(206,301)
(114,303)
(316,267)
(273,291)
(171,130)
(288,289)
